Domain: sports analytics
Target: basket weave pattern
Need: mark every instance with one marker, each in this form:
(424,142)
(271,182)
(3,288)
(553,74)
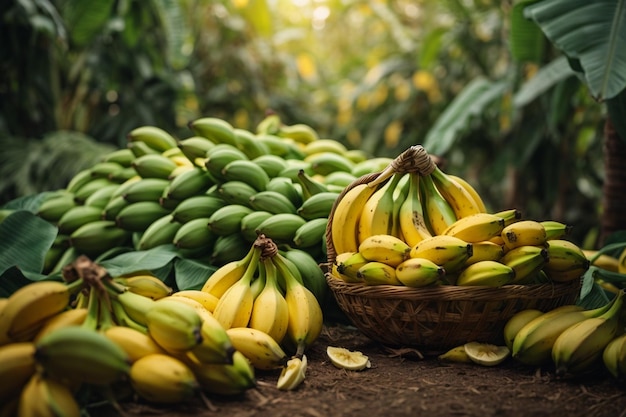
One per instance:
(438,317)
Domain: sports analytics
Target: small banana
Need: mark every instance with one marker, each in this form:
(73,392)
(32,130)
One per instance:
(44,396)
(262,350)
(135,343)
(155,137)
(174,326)
(462,201)
(318,205)
(476,227)
(377,273)
(145,284)
(215,129)
(509,215)
(17,366)
(556,229)
(486,273)
(270,313)
(524,232)
(347,212)
(485,251)
(226,275)
(526,261)
(449,252)
(565,257)
(385,248)
(164,379)
(614,357)
(216,346)
(348,265)
(456,354)
(418,272)
(224,379)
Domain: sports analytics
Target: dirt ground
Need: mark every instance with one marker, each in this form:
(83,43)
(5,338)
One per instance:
(406,383)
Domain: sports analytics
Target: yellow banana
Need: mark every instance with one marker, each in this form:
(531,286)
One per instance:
(385,248)
(614,357)
(224,379)
(524,232)
(347,212)
(146,285)
(566,260)
(262,350)
(163,379)
(418,272)
(486,273)
(478,200)
(43,396)
(526,261)
(462,202)
(349,266)
(439,212)
(293,374)
(485,251)
(270,313)
(476,227)
(174,325)
(411,215)
(516,322)
(208,300)
(449,252)
(216,346)
(226,275)
(555,229)
(69,317)
(17,366)
(377,217)
(377,273)
(135,343)
(509,215)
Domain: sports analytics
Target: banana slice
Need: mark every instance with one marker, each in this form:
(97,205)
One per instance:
(346,359)
(486,354)
(293,374)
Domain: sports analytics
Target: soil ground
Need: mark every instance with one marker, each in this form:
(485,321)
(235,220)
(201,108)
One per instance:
(406,382)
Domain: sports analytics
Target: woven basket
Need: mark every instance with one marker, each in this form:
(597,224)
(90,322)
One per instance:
(439,317)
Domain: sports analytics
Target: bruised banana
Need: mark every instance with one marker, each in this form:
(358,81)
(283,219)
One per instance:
(419,272)
(348,265)
(524,232)
(385,248)
(412,223)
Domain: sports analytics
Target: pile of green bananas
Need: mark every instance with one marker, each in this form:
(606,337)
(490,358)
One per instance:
(209,194)
(133,333)
(571,339)
(424,227)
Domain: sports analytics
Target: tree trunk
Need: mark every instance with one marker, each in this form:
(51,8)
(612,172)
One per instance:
(613,216)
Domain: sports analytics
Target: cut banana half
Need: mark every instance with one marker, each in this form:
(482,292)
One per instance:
(293,374)
(486,354)
(346,359)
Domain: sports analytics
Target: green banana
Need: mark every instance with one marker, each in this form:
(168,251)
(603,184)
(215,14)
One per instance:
(270,163)
(89,188)
(160,232)
(229,248)
(175,326)
(100,198)
(220,156)
(310,186)
(281,227)
(197,206)
(293,168)
(53,208)
(76,217)
(146,189)
(189,183)
(105,169)
(136,217)
(312,233)
(312,275)
(299,132)
(250,223)
(140,149)
(154,166)
(339,178)
(287,188)
(155,137)
(370,166)
(194,234)
(248,144)
(227,220)
(318,205)
(195,147)
(273,202)
(113,207)
(246,171)
(123,156)
(236,192)
(99,236)
(324,163)
(79,179)
(215,129)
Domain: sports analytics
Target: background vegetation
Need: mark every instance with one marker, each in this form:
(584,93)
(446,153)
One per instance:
(376,75)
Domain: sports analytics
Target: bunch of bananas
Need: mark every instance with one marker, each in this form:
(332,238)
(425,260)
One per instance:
(133,334)
(572,339)
(209,194)
(421,226)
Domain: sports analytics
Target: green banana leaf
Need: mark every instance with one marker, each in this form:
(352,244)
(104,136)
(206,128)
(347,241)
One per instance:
(86,19)
(592,32)
(526,39)
(191,274)
(545,78)
(176,30)
(472,101)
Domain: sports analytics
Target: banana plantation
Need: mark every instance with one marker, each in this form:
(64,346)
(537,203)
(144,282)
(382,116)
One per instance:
(312,207)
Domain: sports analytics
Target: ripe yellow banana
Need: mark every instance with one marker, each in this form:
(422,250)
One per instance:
(524,232)
(476,227)
(135,343)
(146,285)
(566,260)
(604,261)
(164,379)
(221,379)
(262,350)
(449,252)
(486,273)
(270,313)
(614,357)
(411,215)
(377,273)
(385,248)
(69,317)
(462,202)
(485,251)
(174,326)
(579,347)
(526,261)
(347,212)
(43,396)
(478,200)
(17,366)
(418,272)
(516,322)
(377,217)
(208,301)
(226,275)
(348,267)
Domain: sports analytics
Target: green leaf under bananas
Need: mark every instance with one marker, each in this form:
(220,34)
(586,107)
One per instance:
(158,260)
(191,274)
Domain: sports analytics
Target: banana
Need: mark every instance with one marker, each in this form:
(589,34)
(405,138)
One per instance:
(555,229)
(79,179)
(69,317)
(76,217)
(524,232)
(145,189)
(438,211)
(272,201)
(449,252)
(17,366)
(246,171)
(216,346)
(196,207)
(262,350)
(250,223)
(462,202)
(456,354)
(227,220)
(348,267)
(99,236)
(84,192)
(377,273)
(324,145)
(579,347)
(614,357)
(278,146)
(309,185)
(221,155)
(602,260)
(412,223)
(270,124)
(163,379)
(29,307)
(235,305)
(339,178)
(44,396)
(53,208)
(195,147)
(346,215)
(485,251)
(82,355)
(174,326)
(140,149)
(516,322)
(309,269)
(310,234)
(471,190)
(154,166)
(418,272)
(476,227)
(324,163)
(270,163)
(160,232)
(526,261)
(304,311)
(156,138)
(318,205)
(195,234)
(269,310)
(509,215)
(236,192)
(248,144)
(215,129)
(293,374)
(123,156)
(281,227)
(486,273)
(533,343)
(377,217)
(189,183)
(288,188)
(564,256)
(105,169)
(294,166)
(207,300)
(113,207)
(385,248)
(299,132)
(136,217)
(223,379)
(227,275)
(147,285)
(101,197)
(135,343)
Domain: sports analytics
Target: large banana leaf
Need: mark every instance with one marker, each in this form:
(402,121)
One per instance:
(591,32)
(544,79)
